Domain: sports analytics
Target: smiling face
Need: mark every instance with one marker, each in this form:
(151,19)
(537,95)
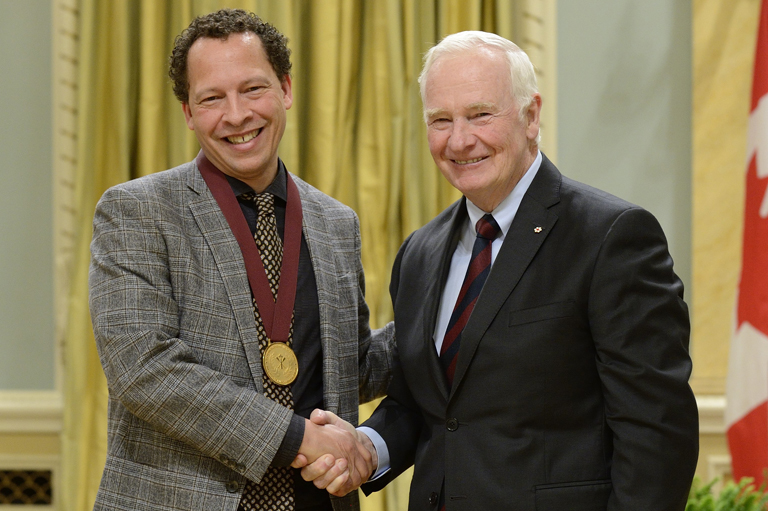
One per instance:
(475,134)
(237,106)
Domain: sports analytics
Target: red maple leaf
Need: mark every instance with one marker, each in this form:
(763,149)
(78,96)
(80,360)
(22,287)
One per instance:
(753,288)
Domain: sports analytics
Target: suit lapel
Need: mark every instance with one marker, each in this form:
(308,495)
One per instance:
(317,235)
(439,242)
(229,261)
(532,224)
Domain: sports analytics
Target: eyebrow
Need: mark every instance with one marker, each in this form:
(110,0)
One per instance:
(434,112)
(481,105)
(201,94)
(249,82)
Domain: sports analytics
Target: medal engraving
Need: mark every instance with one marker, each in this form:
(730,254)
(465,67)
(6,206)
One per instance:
(280,364)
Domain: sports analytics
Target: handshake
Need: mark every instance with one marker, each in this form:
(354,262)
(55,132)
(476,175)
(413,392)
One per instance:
(334,455)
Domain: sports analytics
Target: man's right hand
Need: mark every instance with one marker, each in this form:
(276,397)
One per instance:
(334,455)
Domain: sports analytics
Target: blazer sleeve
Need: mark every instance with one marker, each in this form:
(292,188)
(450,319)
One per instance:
(641,330)
(397,418)
(151,372)
(375,348)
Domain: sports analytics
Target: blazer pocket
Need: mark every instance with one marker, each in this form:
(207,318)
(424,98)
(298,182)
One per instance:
(542,313)
(575,496)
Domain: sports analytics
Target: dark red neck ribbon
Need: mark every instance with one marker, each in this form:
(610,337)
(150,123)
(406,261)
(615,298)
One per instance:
(276,316)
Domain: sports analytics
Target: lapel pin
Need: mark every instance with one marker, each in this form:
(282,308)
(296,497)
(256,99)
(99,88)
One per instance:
(537,230)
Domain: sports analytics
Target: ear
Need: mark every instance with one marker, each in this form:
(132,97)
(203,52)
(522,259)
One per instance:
(285,85)
(188,115)
(533,117)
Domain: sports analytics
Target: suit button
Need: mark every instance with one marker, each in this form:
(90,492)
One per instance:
(233,486)
(433,498)
(452,424)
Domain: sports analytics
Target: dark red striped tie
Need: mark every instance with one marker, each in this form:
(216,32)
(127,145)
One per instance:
(478,270)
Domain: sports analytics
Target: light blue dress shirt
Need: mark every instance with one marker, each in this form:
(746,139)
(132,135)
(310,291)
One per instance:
(504,214)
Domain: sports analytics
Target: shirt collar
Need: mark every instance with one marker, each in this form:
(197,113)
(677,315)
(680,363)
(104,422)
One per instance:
(277,187)
(505,212)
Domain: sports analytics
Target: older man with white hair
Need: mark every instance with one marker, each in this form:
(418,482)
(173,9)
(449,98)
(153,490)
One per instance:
(541,330)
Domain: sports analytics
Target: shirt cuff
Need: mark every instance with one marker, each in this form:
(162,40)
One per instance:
(289,448)
(382,452)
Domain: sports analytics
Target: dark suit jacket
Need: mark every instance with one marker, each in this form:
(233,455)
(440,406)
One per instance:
(571,388)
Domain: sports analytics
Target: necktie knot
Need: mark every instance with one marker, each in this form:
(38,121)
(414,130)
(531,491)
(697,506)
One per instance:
(487,227)
(265,202)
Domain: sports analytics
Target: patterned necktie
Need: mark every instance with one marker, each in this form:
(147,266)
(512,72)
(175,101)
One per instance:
(275,491)
(477,271)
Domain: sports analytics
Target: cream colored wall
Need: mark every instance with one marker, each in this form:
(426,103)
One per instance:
(30,399)
(724,34)
(26,252)
(624,107)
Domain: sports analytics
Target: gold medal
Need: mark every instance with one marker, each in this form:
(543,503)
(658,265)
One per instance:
(280,363)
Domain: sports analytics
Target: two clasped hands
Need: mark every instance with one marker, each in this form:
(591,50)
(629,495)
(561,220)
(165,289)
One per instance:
(334,455)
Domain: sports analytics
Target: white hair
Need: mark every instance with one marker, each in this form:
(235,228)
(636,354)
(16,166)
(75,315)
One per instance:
(522,74)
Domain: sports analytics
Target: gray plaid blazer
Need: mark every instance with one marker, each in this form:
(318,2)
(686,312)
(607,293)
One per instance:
(176,335)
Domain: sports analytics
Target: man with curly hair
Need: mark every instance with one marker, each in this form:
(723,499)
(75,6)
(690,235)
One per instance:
(216,349)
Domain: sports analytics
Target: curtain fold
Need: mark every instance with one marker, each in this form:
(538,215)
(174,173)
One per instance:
(103,154)
(355,131)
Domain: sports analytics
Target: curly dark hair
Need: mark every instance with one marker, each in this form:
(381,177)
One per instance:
(219,25)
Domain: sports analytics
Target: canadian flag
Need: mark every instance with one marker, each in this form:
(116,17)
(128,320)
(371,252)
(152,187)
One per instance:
(746,414)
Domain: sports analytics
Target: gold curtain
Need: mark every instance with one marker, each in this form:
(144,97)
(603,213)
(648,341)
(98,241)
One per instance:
(355,131)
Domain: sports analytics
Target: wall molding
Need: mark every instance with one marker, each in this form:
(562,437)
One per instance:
(712,422)
(537,25)
(65,55)
(708,385)
(31,411)
(711,414)
(719,466)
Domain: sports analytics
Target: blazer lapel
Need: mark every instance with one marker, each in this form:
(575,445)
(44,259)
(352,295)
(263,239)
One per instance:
(532,224)
(317,235)
(229,261)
